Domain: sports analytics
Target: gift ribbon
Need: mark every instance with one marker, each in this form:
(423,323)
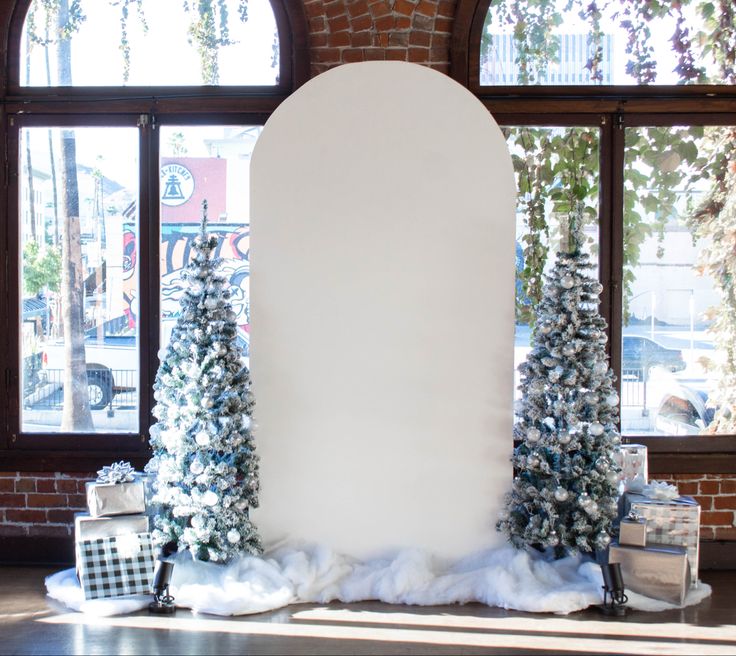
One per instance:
(117,472)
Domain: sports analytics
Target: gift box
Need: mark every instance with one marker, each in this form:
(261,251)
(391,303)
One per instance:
(632,459)
(115,566)
(633,531)
(106,499)
(87,527)
(669,521)
(658,571)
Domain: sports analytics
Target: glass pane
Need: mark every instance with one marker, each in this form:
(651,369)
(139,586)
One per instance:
(163,43)
(79,332)
(678,261)
(576,42)
(206,163)
(555,168)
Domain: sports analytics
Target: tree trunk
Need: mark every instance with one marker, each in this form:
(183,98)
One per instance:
(76,415)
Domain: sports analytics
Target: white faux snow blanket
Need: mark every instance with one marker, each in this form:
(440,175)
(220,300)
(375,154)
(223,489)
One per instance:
(504,577)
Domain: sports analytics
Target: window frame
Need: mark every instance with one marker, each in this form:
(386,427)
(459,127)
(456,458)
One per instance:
(617,107)
(147,108)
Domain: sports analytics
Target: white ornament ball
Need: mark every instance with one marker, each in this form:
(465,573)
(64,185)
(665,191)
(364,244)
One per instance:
(612,399)
(202,438)
(233,537)
(196,467)
(210,303)
(561,494)
(209,498)
(568,282)
(564,438)
(612,476)
(596,429)
(600,368)
(533,461)
(533,435)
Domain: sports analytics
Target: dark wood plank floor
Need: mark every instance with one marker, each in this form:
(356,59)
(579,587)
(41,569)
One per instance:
(30,623)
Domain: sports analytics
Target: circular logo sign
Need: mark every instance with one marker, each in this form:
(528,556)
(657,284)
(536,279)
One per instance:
(177,184)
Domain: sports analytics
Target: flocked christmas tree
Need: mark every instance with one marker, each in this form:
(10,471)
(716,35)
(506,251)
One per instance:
(565,487)
(205,466)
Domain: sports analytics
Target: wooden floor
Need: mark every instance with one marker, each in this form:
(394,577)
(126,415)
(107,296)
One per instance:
(32,624)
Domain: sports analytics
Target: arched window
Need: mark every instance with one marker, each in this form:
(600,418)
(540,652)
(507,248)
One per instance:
(628,108)
(123,116)
(149,43)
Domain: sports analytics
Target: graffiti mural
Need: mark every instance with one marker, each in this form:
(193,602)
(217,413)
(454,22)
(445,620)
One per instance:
(233,249)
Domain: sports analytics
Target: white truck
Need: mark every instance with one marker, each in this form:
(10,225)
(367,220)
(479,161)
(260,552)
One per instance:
(112,366)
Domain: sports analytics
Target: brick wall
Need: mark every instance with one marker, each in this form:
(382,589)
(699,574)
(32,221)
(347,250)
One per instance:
(40,503)
(716,494)
(343,31)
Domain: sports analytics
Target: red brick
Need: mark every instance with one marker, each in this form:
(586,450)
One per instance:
(361,23)
(60,516)
(706,502)
(76,501)
(45,485)
(709,487)
(329,55)
(340,39)
(398,40)
(689,488)
(440,40)
(46,500)
(724,533)
(10,530)
(418,55)
(8,474)
(313,8)
(334,8)
(441,67)
(338,24)
(25,485)
(420,38)
(25,516)
(379,8)
(357,7)
(7,485)
(427,8)
(402,23)
(67,485)
(403,7)
(420,22)
(728,486)
(725,502)
(442,24)
(439,54)
(352,55)
(683,477)
(381,40)
(446,8)
(384,23)
(396,55)
(361,39)
(38,474)
(318,40)
(707,533)
(318,24)
(47,530)
(12,500)
(374,54)
(317,69)
(716,518)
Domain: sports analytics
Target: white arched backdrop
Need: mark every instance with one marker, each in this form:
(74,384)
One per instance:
(382,310)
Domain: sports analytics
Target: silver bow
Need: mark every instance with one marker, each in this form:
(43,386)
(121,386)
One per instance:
(117,472)
(634,516)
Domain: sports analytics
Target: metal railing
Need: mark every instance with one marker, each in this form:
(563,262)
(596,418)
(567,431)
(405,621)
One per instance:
(107,388)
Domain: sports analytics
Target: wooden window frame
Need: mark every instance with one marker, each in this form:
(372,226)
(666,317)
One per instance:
(146,107)
(614,108)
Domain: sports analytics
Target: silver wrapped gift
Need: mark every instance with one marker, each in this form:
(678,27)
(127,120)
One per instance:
(633,531)
(658,571)
(87,527)
(669,521)
(105,499)
(633,461)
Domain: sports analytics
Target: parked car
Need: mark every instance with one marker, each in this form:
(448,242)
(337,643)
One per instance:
(683,411)
(640,354)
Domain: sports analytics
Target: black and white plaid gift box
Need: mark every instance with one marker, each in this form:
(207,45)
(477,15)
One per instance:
(116,566)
